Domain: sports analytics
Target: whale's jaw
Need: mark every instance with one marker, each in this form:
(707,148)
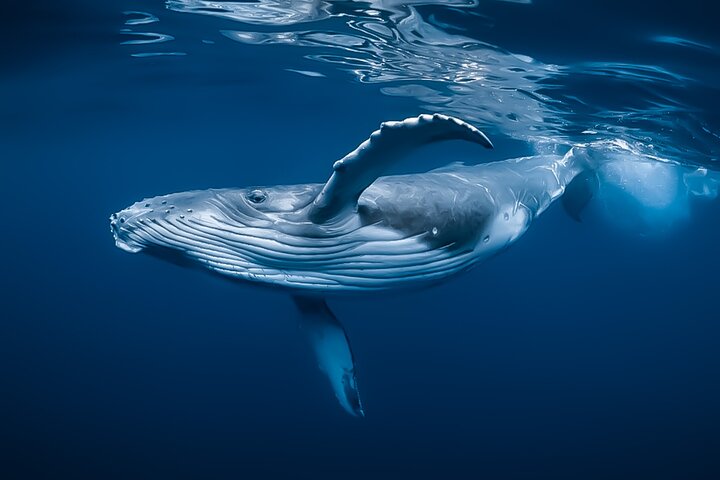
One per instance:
(127,247)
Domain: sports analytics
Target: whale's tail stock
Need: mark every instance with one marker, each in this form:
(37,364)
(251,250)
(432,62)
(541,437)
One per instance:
(651,193)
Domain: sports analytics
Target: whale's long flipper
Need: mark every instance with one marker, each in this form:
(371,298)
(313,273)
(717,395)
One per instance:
(358,169)
(332,349)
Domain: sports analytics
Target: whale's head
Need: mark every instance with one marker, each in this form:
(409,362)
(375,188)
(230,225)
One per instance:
(221,228)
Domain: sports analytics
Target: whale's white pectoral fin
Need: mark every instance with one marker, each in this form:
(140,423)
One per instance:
(392,141)
(332,349)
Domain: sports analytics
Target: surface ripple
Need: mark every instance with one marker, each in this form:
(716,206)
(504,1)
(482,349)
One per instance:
(406,50)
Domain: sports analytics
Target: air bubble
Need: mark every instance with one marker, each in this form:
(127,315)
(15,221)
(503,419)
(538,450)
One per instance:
(189,210)
(434,231)
(182,216)
(147,205)
(122,219)
(506,216)
(167,211)
(486,239)
(164,202)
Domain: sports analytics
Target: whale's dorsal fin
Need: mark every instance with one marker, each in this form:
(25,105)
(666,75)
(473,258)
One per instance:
(358,169)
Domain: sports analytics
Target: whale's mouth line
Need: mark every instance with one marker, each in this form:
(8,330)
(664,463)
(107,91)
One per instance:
(125,244)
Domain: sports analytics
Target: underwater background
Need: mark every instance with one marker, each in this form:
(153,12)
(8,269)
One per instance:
(587,350)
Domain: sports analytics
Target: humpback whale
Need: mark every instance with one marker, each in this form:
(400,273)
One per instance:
(360,231)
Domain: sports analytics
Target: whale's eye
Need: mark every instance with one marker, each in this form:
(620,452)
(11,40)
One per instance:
(256,196)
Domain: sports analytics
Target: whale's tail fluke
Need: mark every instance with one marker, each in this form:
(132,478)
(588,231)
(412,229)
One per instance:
(634,189)
(579,193)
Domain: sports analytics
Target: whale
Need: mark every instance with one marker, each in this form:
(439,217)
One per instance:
(361,231)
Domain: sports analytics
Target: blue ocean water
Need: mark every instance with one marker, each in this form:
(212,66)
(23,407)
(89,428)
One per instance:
(587,350)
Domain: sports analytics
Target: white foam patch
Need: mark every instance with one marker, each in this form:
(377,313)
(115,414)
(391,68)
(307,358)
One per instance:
(654,185)
(650,195)
(643,192)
